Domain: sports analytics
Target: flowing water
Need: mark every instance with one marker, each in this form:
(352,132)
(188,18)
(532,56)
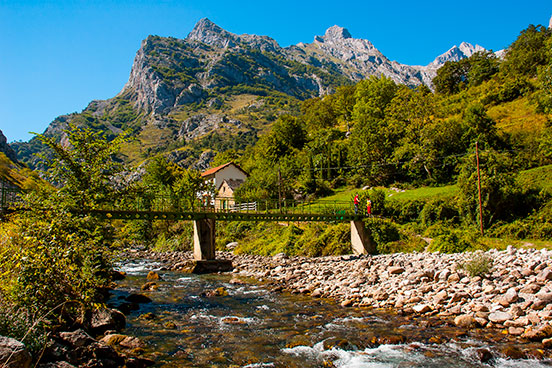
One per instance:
(254,327)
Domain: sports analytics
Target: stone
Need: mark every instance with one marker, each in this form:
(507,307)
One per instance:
(104,319)
(149,286)
(77,338)
(464,321)
(347,303)
(531,288)
(58,364)
(484,355)
(513,352)
(396,270)
(138,299)
(152,275)
(113,339)
(421,308)
(516,331)
(13,354)
(545,275)
(499,317)
(547,343)
(208,266)
(131,342)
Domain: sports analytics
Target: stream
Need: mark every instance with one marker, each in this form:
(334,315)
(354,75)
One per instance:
(251,326)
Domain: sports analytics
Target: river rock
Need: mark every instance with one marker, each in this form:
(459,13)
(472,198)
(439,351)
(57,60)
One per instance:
(77,338)
(149,286)
(138,299)
(421,308)
(13,354)
(464,321)
(113,339)
(104,319)
(396,270)
(131,342)
(58,364)
(152,275)
(499,317)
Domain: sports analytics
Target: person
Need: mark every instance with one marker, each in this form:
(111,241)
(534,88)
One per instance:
(356,204)
(368,207)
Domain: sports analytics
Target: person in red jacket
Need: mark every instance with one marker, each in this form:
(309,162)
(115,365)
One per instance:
(356,204)
(368,207)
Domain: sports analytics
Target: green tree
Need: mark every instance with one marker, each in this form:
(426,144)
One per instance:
(54,258)
(528,52)
(501,196)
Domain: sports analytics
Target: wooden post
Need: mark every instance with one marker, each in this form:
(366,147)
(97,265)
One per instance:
(479,189)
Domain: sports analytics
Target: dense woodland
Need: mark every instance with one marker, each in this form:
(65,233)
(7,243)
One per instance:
(375,134)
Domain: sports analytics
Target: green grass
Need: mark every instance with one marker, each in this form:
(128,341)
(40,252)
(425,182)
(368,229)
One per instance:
(425,193)
(539,178)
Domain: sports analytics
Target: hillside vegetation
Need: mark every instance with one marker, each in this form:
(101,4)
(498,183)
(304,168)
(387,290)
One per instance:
(380,134)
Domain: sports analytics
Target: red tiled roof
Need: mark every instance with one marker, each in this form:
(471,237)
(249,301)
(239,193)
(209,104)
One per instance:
(215,169)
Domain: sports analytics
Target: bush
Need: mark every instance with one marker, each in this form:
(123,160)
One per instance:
(437,211)
(479,264)
(453,241)
(323,240)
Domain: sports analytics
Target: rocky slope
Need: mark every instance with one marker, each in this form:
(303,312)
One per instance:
(6,149)
(216,85)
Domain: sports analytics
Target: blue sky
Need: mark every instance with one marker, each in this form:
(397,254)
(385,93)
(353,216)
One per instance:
(57,56)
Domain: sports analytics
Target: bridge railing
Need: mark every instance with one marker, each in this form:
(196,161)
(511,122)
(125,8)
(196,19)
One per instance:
(291,207)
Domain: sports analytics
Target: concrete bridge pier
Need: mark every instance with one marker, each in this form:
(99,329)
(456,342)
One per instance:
(204,239)
(360,239)
(204,250)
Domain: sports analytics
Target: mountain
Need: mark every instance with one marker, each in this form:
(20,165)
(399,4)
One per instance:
(6,149)
(216,90)
(456,53)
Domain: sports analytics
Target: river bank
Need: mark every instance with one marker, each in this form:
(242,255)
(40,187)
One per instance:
(513,301)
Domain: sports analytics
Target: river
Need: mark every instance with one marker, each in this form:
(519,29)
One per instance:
(254,327)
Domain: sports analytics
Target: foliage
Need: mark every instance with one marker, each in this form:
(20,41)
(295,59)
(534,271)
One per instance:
(528,52)
(479,264)
(451,240)
(501,197)
(53,258)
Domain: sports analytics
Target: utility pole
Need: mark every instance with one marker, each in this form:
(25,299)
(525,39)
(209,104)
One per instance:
(279,190)
(479,188)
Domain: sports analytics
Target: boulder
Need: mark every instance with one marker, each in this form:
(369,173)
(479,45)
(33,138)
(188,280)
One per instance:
(106,319)
(464,321)
(152,275)
(13,354)
(77,338)
(138,299)
(499,317)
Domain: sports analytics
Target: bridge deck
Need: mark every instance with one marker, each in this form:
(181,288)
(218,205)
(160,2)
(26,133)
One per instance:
(223,215)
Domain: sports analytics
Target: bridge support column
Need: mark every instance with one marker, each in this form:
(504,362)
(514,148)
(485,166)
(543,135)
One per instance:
(360,239)
(204,239)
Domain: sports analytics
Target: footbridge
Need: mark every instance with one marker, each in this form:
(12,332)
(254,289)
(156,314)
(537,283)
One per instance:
(205,215)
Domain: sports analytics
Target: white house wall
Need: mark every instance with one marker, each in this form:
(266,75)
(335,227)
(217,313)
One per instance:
(228,173)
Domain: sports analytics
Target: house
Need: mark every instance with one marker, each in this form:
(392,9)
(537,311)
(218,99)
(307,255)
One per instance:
(225,180)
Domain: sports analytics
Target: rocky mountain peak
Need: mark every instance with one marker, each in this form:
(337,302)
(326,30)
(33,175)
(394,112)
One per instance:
(208,32)
(337,33)
(456,53)
(550,23)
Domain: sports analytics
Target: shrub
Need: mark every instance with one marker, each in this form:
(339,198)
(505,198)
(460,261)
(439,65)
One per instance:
(437,211)
(453,241)
(479,264)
